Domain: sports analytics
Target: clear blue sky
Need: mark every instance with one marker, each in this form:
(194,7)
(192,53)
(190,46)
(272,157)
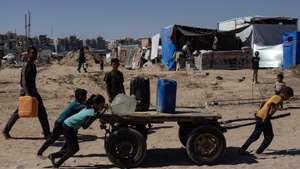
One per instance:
(135,18)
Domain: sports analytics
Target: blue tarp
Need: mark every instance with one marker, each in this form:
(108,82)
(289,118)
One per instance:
(168,47)
(291,49)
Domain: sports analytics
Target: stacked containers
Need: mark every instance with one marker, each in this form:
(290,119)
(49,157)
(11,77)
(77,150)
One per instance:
(140,87)
(166,96)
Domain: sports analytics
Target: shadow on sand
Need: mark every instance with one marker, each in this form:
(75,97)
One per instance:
(89,155)
(86,167)
(156,158)
(288,152)
(28,138)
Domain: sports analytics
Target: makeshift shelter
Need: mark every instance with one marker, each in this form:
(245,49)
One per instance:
(129,55)
(226,60)
(176,36)
(44,56)
(263,34)
(291,49)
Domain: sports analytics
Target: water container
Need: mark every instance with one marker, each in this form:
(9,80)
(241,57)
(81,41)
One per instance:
(166,96)
(28,106)
(123,105)
(140,87)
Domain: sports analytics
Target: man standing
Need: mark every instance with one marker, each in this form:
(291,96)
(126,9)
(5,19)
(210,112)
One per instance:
(179,60)
(28,88)
(1,57)
(114,80)
(101,63)
(255,66)
(81,60)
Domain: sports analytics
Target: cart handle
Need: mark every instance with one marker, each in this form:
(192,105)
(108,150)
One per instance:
(250,123)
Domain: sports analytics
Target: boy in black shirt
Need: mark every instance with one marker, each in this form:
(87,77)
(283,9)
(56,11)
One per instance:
(114,80)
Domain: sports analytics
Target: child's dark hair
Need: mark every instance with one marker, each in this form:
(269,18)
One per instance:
(32,48)
(280,76)
(80,92)
(287,90)
(95,99)
(115,60)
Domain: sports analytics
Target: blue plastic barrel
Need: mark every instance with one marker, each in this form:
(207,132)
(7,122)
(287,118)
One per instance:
(166,96)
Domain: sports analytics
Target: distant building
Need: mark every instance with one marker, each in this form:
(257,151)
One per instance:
(91,43)
(145,42)
(13,43)
(101,43)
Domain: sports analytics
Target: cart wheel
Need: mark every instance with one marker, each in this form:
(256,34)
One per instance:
(126,147)
(183,134)
(205,144)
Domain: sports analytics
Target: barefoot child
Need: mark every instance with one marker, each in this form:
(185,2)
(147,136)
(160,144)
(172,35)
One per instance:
(73,108)
(263,120)
(71,125)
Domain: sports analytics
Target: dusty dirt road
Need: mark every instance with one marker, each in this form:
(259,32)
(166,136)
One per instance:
(57,82)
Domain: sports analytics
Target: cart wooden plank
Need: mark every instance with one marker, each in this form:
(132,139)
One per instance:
(181,115)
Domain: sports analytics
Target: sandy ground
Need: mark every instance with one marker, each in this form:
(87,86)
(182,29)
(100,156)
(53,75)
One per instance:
(56,84)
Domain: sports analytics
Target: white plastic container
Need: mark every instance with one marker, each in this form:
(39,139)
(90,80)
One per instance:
(123,105)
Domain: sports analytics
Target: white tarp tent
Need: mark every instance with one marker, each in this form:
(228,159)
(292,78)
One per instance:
(263,34)
(270,55)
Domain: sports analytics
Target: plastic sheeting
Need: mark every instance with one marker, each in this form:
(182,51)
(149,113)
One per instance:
(267,39)
(237,23)
(291,49)
(155,46)
(269,34)
(168,47)
(270,56)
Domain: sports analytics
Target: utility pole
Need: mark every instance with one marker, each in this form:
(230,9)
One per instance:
(29,23)
(26,26)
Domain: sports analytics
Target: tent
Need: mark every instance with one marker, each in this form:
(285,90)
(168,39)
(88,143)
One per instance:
(174,37)
(263,34)
(129,55)
(291,49)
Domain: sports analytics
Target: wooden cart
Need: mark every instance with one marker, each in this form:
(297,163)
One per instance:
(199,132)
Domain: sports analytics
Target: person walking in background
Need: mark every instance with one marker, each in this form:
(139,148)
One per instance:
(263,120)
(179,60)
(1,57)
(101,63)
(28,88)
(114,80)
(95,106)
(255,66)
(73,108)
(81,60)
